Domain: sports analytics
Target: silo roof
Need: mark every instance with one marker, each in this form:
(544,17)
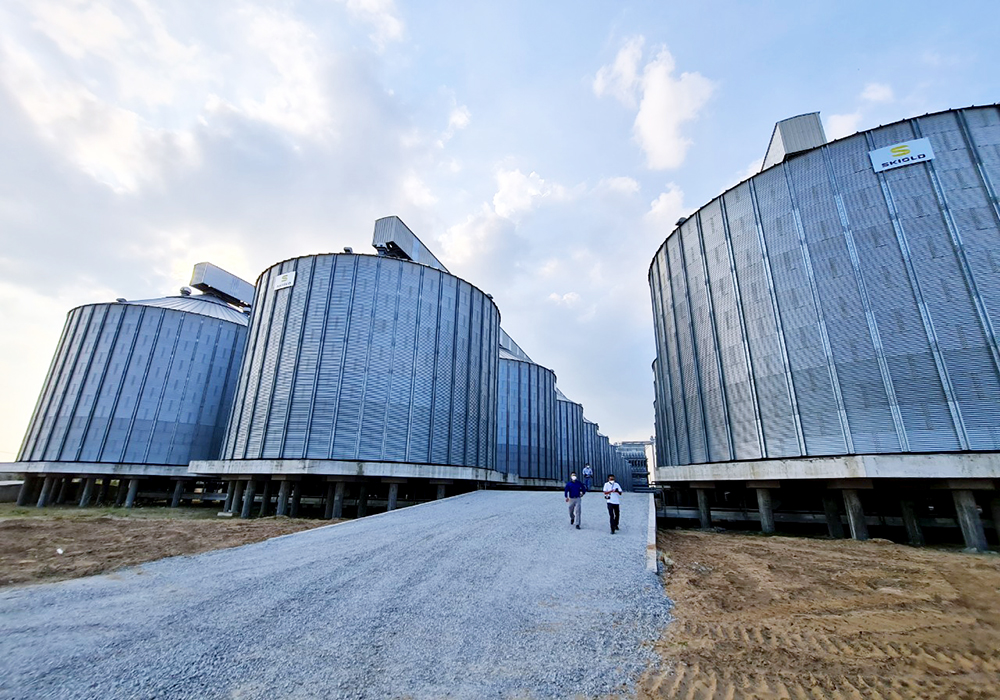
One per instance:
(203,304)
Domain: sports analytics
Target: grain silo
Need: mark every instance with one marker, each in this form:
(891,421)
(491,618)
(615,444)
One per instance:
(527,439)
(136,390)
(569,421)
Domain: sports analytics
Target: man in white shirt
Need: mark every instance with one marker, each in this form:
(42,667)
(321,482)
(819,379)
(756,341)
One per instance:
(613,496)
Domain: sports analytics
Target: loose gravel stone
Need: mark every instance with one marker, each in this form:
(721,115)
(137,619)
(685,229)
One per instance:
(487,595)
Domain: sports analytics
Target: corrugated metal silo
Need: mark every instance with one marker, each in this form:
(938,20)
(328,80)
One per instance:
(359,357)
(570,434)
(527,437)
(143,382)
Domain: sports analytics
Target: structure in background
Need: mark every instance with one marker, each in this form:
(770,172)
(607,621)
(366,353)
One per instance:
(136,390)
(842,302)
(640,456)
(527,429)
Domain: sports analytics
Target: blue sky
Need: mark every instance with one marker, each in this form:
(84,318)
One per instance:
(543,150)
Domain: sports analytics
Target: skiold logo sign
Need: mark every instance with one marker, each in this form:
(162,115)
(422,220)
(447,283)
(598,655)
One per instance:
(901,154)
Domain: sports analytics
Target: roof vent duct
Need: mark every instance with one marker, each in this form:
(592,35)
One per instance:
(794,135)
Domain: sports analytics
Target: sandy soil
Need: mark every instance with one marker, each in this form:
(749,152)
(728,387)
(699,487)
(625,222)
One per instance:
(96,540)
(778,617)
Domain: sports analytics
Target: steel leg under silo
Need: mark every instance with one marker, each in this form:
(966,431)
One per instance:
(88,491)
(296,499)
(46,494)
(834,525)
(122,493)
(237,504)
(766,512)
(102,492)
(283,498)
(913,532)
(265,499)
(393,496)
(133,491)
(855,515)
(178,493)
(248,497)
(440,492)
(995,511)
(27,488)
(363,501)
(63,490)
(969,520)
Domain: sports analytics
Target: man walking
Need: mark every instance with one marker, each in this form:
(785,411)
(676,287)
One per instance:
(613,495)
(588,474)
(574,493)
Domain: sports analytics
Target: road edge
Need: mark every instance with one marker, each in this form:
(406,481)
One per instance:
(651,536)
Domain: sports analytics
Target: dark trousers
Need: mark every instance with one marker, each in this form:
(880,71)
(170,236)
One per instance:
(613,513)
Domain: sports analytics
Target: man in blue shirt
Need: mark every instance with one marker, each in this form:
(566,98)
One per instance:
(574,494)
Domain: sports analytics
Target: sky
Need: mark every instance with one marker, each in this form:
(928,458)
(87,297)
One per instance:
(542,150)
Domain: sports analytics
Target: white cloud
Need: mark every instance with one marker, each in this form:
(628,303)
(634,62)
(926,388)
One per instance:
(877,92)
(417,191)
(382,15)
(473,238)
(667,208)
(569,299)
(618,185)
(518,193)
(665,101)
(840,125)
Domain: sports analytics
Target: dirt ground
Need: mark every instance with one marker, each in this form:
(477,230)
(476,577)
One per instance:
(779,617)
(60,543)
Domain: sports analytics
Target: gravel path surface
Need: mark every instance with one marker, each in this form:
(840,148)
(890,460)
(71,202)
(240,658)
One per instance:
(487,595)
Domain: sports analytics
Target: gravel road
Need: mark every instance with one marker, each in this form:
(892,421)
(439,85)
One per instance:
(486,595)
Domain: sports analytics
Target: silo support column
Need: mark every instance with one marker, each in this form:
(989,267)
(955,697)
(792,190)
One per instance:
(834,524)
(995,511)
(296,499)
(88,491)
(393,496)
(363,501)
(133,491)
(102,492)
(265,499)
(121,493)
(46,494)
(331,494)
(855,515)
(766,512)
(338,500)
(230,491)
(283,498)
(178,493)
(704,510)
(913,532)
(248,499)
(969,520)
(440,492)
(27,488)
(63,492)
(237,504)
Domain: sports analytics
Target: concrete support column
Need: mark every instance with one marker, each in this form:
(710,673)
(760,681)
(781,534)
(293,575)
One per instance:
(393,496)
(265,499)
(28,487)
(704,511)
(363,501)
(248,499)
(237,504)
(133,491)
(230,492)
(995,512)
(331,492)
(46,495)
(338,500)
(102,492)
(121,494)
(283,490)
(834,525)
(969,520)
(440,492)
(913,532)
(178,493)
(63,493)
(88,491)
(296,499)
(855,515)
(766,512)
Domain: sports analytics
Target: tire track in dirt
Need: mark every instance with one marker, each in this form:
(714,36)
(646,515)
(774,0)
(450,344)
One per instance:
(777,617)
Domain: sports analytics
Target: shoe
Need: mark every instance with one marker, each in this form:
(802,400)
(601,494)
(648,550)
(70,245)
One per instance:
(571,521)
(577,527)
